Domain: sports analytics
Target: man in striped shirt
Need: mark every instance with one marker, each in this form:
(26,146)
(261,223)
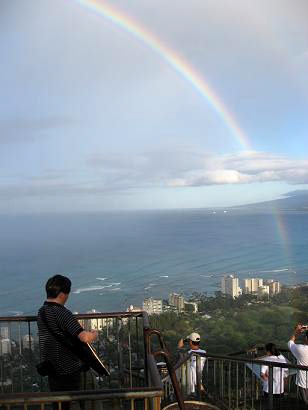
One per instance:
(56,323)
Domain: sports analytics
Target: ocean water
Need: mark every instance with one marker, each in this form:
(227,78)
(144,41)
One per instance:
(116,259)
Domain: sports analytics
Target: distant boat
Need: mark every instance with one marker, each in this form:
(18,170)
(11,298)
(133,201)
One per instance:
(225,212)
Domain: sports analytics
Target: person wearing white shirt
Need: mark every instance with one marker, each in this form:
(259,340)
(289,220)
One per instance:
(194,347)
(300,352)
(279,374)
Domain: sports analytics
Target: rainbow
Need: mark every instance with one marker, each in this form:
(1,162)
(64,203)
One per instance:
(177,62)
(282,233)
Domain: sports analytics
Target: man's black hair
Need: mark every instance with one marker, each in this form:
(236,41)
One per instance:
(271,347)
(56,285)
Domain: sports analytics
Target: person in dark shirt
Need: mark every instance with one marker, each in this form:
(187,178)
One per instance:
(54,319)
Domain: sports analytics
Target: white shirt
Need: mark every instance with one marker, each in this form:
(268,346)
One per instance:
(192,369)
(279,374)
(301,353)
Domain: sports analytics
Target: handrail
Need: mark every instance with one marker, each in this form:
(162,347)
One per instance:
(96,315)
(164,352)
(240,360)
(38,397)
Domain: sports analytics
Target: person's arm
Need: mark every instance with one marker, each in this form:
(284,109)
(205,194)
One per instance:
(297,331)
(264,372)
(87,337)
(71,325)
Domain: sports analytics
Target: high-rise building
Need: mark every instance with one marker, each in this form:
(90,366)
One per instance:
(177,301)
(251,285)
(132,308)
(230,286)
(95,323)
(5,346)
(274,287)
(153,306)
(191,306)
(28,342)
(4,332)
(263,290)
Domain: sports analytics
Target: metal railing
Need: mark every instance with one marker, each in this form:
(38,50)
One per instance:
(233,382)
(134,380)
(131,349)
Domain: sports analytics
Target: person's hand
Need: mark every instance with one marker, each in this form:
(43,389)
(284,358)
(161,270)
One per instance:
(181,344)
(88,336)
(94,335)
(298,329)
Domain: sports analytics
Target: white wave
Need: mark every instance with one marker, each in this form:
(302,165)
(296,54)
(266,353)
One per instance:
(101,278)
(89,289)
(274,270)
(16,312)
(115,289)
(152,284)
(207,276)
(116,283)
(147,288)
(164,276)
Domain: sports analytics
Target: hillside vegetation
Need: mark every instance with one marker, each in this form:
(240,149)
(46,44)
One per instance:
(229,325)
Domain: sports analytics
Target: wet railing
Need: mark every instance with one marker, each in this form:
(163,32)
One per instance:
(134,380)
(233,382)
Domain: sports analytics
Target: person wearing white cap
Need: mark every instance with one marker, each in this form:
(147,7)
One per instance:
(194,349)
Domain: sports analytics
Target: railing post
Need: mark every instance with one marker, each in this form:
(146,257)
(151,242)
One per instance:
(146,342)
(237,387)
(229,384)
(198,377)
(183,377)
(270,387)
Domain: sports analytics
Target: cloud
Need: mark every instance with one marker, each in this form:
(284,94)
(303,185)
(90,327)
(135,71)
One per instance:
(161,168)
(244,168)
(187,166)
(25,130)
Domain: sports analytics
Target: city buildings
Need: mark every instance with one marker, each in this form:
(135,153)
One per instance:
(132,308)
(191,306)
(176,300)
(4,332)
(5,347)
(230,286)
(28,342)
(263,290)
(274,286)
(153,306)
(251,285)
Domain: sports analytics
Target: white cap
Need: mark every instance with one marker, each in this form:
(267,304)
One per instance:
(194,337)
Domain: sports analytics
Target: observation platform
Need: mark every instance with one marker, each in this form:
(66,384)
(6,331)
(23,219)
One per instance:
(132,351)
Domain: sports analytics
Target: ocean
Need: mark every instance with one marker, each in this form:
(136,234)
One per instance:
(115,259)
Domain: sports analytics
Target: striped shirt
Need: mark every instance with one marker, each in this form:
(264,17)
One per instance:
(62,322)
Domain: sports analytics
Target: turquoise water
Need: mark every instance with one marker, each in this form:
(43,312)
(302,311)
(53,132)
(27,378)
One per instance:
(117,259)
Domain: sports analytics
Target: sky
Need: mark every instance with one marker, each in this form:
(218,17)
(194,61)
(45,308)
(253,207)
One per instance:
(134,104)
